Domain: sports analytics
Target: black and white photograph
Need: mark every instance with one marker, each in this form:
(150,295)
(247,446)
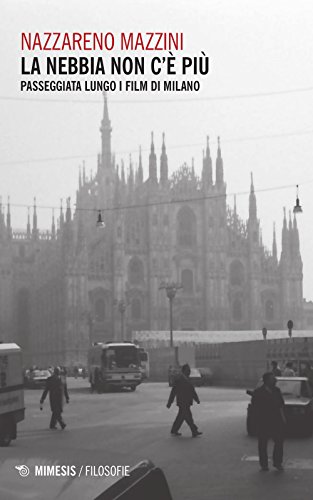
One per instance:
(156,271)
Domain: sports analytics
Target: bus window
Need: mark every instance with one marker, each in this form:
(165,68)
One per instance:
(122,357)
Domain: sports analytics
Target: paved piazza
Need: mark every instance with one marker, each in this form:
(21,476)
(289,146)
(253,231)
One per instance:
(127,427)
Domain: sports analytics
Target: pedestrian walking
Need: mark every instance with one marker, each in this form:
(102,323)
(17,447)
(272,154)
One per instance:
(57,389)
(276,371)
(185,394)
(268,407)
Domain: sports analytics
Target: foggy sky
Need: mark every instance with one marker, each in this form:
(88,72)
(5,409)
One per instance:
(254,47)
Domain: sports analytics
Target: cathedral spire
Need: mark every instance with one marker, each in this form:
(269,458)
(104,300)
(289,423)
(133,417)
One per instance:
(80,178)
(28,229)
(296,236)
(285,236)
(68,215)
(9,228)
(53,226)
(84,173)
(207,165)
(35,228)
(219,175)
(164,164)
(61,213)
(131,173)
(1,214)
(290,234)
(208,153)
(252,201)
(117,186)
(274,246)
(123,174)
(140,169)
(208,160)
(152,162)
(285,219)
(106,130)
(106,118)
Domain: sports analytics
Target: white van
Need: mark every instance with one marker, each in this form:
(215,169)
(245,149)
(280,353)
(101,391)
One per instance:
(12,408)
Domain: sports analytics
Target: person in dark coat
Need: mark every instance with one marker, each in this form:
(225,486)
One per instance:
(57,389)
(268,407)
(185,394)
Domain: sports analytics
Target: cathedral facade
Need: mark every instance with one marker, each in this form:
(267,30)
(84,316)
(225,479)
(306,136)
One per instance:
(83,282)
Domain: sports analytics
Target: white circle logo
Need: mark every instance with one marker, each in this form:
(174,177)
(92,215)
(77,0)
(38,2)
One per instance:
(23,470)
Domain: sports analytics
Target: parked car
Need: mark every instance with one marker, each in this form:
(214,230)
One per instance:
(297,394)
(206,375)
(37,378)
(195,377)
(77,371)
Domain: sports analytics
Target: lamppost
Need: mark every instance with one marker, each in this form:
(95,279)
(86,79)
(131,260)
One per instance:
(171,290)
(122,309)
(290,327)
(90,323)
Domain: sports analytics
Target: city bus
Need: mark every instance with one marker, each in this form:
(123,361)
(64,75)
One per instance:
(114,365)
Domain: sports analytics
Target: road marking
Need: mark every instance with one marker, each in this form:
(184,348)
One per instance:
(300,463)
(247,458)
(291,463)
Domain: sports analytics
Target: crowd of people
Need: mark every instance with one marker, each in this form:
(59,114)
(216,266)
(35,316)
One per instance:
(289,370)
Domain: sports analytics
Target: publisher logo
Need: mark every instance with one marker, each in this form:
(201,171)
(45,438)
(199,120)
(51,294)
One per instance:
(23,470)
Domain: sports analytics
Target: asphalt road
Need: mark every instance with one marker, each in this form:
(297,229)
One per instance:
(125,428)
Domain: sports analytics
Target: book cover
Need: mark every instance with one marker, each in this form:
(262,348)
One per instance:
(155,213)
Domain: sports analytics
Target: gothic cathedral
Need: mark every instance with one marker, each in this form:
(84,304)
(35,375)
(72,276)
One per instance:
(83,282)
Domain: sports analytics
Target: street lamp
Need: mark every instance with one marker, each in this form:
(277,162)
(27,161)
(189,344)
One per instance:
(297,209)
(100,223)
(171,290)
(122,309)
(290,327)
(90,323)
(121,306)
